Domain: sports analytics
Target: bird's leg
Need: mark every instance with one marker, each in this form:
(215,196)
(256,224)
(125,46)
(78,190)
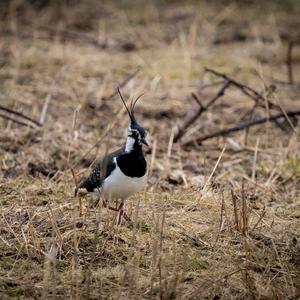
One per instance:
(80,206)
(105,204)
(119,209)
(122,213)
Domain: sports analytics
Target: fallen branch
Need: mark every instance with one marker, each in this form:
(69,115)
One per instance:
(16,121)
(243,125)
(19,114)
(201,110)
(248,91)
(122,84)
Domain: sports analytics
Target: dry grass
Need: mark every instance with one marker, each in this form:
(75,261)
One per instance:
(230,234)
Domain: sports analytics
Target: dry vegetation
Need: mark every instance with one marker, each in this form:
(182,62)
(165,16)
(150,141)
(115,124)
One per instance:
(212,224)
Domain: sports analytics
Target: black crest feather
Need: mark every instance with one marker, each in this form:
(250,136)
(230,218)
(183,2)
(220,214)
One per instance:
(131,108)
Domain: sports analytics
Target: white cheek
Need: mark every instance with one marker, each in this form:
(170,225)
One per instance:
(129,144)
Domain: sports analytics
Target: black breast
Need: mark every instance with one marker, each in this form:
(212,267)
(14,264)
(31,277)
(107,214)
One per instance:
(132,164)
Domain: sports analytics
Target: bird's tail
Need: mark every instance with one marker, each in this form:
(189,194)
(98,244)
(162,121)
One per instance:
(85,183)
(81,185)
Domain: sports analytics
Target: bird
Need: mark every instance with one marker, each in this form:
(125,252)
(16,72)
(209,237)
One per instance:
(123,172)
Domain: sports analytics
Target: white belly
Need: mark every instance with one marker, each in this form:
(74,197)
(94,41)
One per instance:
(120,186)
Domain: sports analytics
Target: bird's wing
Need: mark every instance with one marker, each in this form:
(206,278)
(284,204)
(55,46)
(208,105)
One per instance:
(101,170)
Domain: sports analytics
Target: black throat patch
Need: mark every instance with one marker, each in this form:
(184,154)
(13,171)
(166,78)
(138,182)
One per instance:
(133,164)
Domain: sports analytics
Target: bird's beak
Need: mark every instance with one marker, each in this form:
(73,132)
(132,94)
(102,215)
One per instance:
(145,141)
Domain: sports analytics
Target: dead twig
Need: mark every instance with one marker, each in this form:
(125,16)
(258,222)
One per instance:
(221,221)
(248,91)
(235,210)
(197,100)
(201,110)
(259,220)
(122,84)
(214,169)
(197,241)
(49,94)
(19,114)
(242,125)
(16,121)
(74,177)
(245,217)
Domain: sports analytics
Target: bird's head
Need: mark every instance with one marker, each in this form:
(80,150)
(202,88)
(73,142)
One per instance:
(135,131)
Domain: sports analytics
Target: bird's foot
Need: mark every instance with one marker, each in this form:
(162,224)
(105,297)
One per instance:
(122,213)
(106,205)
(119,209)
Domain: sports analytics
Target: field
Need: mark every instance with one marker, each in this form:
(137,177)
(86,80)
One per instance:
(220,216)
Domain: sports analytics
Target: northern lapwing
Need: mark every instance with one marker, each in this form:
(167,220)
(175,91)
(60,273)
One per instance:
(122,173)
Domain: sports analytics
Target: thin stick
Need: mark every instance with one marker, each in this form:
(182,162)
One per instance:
(241,126)
(15,121)
(254,160)
(181,167)
(221,221)
(291,122)
(222,210)
(49,94)
(248,91)
(214,169)
(244,211)
(202,109)
(235,210)
(160,253)
(152,158)
(170,144)
(259,220)
(122,84)
(74,177)
(197,100)
(11,111)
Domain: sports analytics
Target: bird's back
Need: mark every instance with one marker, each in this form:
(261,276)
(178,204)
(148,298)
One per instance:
(101,170)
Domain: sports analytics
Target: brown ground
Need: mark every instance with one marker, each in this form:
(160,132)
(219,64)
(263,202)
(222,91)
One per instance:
(200,232)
